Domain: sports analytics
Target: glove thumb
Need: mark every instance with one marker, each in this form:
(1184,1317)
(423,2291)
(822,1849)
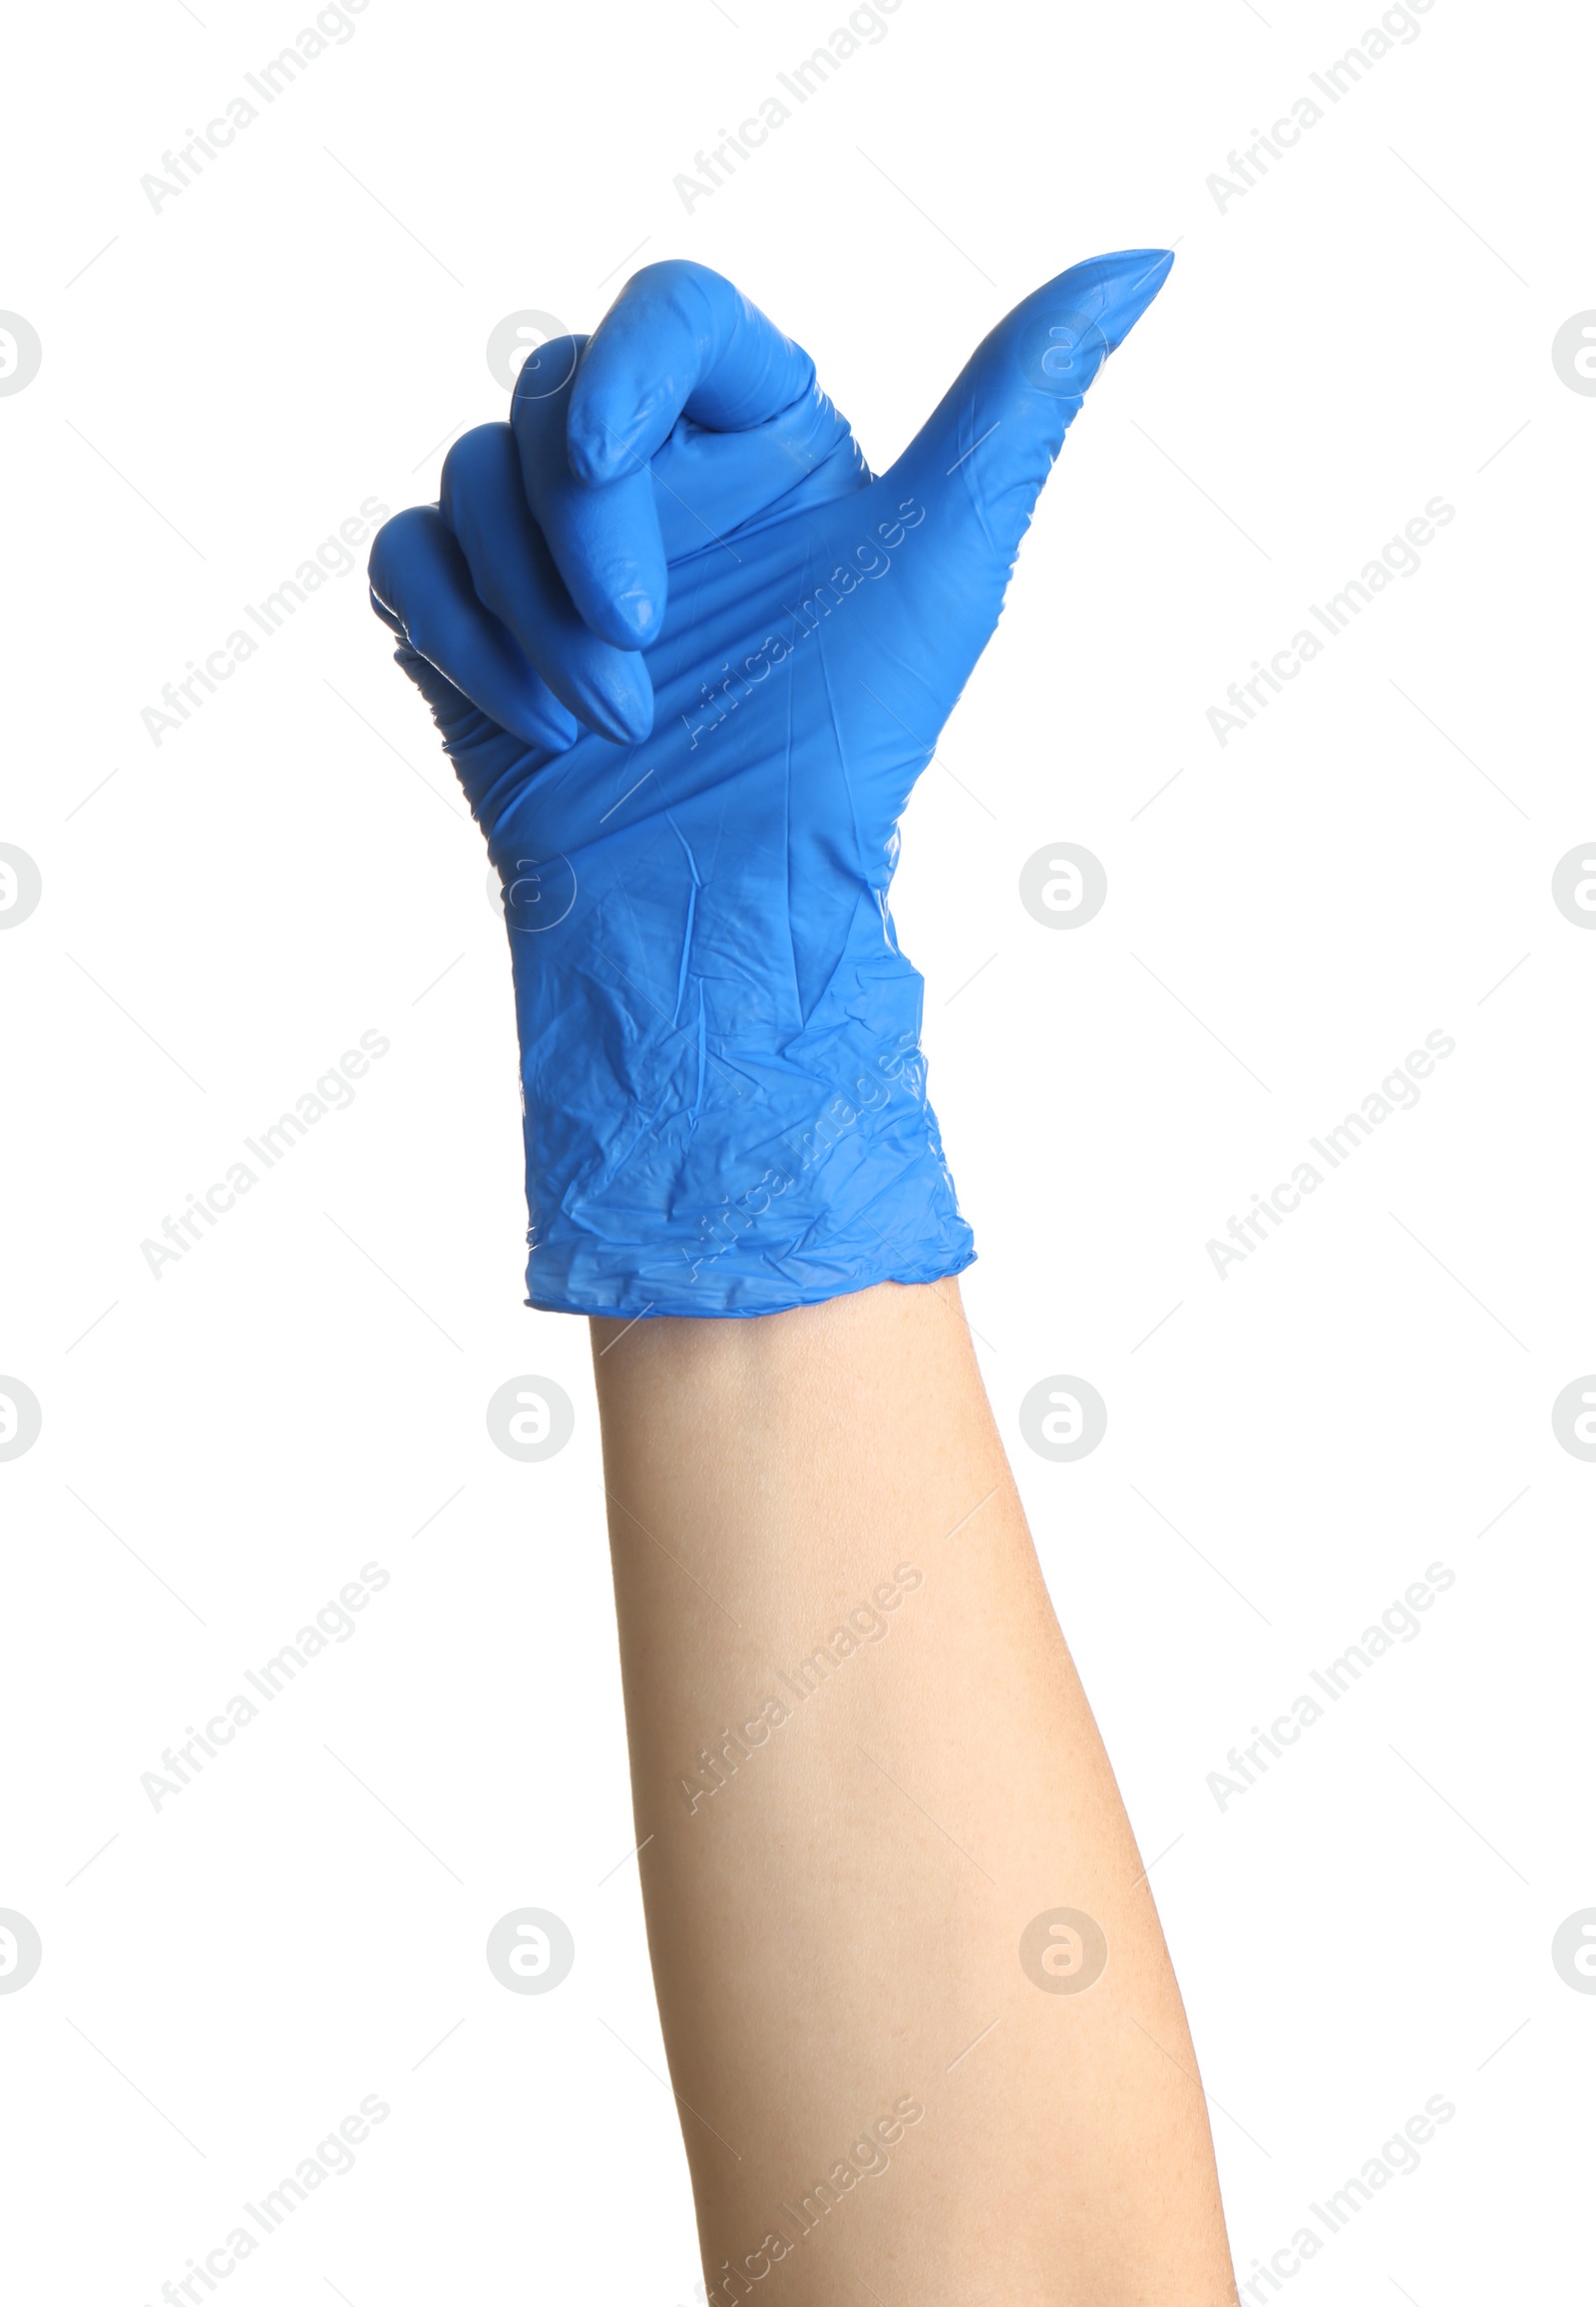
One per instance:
(979,462)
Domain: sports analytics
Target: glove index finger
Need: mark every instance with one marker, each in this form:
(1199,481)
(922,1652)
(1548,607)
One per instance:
(606,540)
(679,340)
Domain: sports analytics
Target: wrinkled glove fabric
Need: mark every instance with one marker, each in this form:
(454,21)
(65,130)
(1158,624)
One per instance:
(689,658)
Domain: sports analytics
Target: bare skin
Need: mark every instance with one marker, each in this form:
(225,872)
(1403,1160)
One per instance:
(836,1906)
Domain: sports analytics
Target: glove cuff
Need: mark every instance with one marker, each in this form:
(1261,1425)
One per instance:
(789,1183)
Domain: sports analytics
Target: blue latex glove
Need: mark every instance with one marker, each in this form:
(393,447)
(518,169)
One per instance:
(688,658)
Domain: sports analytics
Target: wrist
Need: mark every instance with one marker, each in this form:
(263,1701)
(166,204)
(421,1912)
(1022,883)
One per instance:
(716,1167)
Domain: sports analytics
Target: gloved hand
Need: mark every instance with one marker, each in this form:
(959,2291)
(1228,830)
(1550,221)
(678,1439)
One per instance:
(688,658)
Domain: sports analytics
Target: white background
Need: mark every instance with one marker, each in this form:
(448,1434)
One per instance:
(1369,327)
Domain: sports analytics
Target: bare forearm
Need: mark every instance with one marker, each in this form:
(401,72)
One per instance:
(867,1767)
